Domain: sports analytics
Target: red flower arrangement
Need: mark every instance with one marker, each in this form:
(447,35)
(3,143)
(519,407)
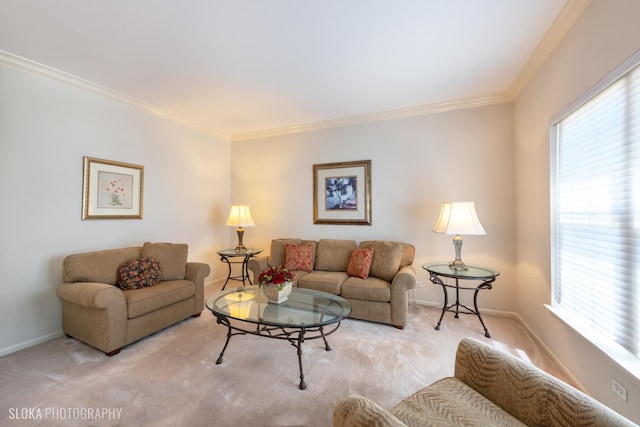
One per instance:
(276,275)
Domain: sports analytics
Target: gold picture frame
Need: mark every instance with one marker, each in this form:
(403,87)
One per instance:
(111,190)
(342,193)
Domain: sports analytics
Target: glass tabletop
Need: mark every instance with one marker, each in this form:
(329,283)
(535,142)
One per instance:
(472,271)
(233,252)
(304,307)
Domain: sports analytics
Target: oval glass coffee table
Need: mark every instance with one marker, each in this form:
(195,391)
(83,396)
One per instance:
(306,315)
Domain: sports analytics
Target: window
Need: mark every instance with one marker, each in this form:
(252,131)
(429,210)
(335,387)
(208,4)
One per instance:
(596,209)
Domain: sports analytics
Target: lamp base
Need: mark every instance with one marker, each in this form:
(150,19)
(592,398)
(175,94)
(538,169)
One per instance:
(240,248)
(457,264)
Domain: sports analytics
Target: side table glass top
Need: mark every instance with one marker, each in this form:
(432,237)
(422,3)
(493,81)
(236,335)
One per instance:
(304,307)
(472,272)
(232,252)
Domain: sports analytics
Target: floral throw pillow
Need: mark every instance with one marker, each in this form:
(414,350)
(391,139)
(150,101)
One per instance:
(139,273)
(360,263)
(298,257)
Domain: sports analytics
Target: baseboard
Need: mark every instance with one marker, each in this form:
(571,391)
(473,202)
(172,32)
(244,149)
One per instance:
(30,343)
(529,331)
(542,344)
(39,340)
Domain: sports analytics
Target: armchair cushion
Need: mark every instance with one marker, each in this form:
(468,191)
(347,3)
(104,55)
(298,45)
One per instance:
(139,273)
(171,256)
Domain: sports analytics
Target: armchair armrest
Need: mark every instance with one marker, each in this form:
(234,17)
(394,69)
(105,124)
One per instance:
(359,411)
(93,295)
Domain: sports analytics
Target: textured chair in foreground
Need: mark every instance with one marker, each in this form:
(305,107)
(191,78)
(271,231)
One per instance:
(489,388)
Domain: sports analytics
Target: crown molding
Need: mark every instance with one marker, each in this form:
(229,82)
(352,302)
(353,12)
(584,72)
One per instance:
(568,16)
(420,110)
(571,12)
(45,71)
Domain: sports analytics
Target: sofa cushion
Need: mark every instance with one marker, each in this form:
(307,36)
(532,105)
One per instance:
(146,300)
(386,258)
(278,248)
(334,254)
(139,273)
(171,256)
(298,257)
(369,289)
(360,263)
(326,281)
(408,251)
(98,266)
(450,402)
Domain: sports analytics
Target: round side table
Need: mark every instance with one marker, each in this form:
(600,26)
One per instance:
(227,256)
(473,272)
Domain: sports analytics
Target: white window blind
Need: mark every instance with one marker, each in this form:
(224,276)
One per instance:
(596,215)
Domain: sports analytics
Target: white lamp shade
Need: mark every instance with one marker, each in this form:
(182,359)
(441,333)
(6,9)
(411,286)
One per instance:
(240,216)
(458,218)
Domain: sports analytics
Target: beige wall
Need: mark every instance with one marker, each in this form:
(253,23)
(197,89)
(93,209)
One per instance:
(607,33)
(497,156)
(46,127)
(416,164)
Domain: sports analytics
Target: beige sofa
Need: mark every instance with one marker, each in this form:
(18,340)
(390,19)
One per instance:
(489,388)
(98,312)
(380,297)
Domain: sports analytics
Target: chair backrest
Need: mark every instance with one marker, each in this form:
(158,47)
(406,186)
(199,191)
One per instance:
(526,392)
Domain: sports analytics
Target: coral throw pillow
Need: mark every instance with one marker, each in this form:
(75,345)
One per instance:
(298,257)
(360,263)
(139,273)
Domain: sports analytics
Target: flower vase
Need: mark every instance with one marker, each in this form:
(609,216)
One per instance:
(276,295)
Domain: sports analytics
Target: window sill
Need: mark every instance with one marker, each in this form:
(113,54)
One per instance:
(619,355)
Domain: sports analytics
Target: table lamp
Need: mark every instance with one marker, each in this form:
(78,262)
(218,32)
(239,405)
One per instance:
(240,216)
(458,218)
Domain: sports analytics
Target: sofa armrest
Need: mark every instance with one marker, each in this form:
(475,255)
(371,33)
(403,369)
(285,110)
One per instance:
(526,392)
(355,411)
(256,265)
(404,279)
(93,295)
(196,272)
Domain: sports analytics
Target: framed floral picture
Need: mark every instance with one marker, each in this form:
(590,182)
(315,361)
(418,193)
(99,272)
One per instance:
(111,190)
(342,193)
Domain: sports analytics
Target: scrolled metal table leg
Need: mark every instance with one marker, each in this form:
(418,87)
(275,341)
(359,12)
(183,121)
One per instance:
(484,285)
(436,281)
(219,361)
(224,259)
(326,344)
(300,340)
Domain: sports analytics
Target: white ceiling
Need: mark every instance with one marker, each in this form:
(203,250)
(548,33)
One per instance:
(244,66)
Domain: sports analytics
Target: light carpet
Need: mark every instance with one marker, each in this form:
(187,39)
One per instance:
(171,379)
